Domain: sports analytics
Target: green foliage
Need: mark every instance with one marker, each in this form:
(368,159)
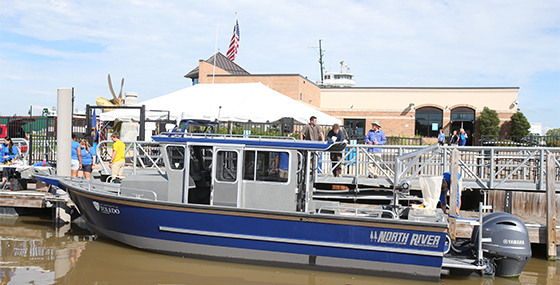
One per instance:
(553,132)
(519,125)
(488,122)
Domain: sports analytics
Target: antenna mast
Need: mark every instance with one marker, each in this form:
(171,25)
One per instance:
(321,59)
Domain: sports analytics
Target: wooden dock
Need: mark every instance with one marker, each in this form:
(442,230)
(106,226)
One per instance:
(535,225)
(37,198)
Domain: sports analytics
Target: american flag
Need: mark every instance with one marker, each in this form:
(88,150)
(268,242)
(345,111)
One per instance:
(234,43)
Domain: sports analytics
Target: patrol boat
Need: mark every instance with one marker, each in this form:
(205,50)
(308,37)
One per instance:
(221,197)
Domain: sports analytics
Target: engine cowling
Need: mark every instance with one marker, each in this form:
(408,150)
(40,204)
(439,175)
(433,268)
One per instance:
(510,248)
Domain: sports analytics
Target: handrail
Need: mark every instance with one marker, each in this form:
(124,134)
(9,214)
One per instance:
(393,215)
(87,184)
(482,168)
(214,135)
(135,145)
(19,143)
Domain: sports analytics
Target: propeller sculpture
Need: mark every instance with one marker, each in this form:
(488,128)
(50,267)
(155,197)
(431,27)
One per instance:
(116,101)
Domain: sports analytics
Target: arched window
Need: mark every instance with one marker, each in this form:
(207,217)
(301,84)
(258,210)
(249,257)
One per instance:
(462,114)
(463,118)
(428,121)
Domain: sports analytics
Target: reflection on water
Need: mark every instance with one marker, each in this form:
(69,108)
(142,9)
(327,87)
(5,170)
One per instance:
(33,251)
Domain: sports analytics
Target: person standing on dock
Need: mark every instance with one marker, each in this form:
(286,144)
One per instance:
(441,137)
(454,141)
(76,157)
(312,132)
(445,184)
(375,136)
(117,160)
(88,158)
(462,137)
(336,135)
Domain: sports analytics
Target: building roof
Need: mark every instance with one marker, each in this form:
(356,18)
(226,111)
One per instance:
(222,62)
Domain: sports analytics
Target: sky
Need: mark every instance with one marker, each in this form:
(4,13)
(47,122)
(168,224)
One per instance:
(50,44)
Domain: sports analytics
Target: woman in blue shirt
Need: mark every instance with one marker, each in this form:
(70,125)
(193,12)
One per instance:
(76,157)
(8,152)
(462,137)
(88,158)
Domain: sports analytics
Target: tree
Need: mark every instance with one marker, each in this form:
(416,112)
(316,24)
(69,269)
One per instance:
(519,125)
(488,122)
(553,132)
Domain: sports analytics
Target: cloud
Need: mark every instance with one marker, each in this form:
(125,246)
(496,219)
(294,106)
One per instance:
(386,43)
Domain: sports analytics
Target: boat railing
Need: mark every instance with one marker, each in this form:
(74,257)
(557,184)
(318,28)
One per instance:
(23,149)
(224,136)
(359,211)
(115,188)
(138,154)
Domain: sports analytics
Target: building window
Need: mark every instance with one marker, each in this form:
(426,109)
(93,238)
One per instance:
(462,114)
(300,96)
(428,121)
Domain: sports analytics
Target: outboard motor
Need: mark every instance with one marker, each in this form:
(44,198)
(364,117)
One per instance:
(510,248)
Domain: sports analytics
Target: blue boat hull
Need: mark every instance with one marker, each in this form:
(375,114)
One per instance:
(323,242)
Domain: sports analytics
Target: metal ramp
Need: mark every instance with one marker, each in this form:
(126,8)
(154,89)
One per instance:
(482,168)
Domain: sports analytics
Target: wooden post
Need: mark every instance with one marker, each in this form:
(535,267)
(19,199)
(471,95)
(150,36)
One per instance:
(453,196)
(550,208)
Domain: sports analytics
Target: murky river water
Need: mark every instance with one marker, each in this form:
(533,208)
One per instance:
(33,251)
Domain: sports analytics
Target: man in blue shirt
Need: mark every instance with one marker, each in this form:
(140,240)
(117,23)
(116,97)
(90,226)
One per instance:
(445,187)
(375,136)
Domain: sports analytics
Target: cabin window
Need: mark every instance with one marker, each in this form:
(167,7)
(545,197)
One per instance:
(176,155)
(261,166)
(226,166)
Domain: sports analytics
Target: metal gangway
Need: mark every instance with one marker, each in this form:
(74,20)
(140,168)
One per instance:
(481,168)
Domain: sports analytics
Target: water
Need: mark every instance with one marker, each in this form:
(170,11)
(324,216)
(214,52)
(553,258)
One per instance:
(33,251)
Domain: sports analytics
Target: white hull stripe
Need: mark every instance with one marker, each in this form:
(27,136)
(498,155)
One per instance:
(302,242)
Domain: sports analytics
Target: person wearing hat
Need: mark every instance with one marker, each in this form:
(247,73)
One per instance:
(375,136)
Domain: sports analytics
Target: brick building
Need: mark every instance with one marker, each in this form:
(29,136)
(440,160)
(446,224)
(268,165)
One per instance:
(402,111)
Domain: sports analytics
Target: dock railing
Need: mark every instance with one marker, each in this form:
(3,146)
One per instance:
(506,168)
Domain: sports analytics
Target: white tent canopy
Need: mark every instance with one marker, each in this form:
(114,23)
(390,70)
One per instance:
(239,102)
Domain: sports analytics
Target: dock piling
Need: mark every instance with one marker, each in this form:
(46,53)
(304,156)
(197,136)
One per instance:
(550,207)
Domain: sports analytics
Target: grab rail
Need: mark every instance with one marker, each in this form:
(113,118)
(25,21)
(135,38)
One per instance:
(378,211)
(87,184)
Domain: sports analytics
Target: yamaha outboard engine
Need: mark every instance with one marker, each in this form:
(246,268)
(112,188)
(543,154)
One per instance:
(510,248)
